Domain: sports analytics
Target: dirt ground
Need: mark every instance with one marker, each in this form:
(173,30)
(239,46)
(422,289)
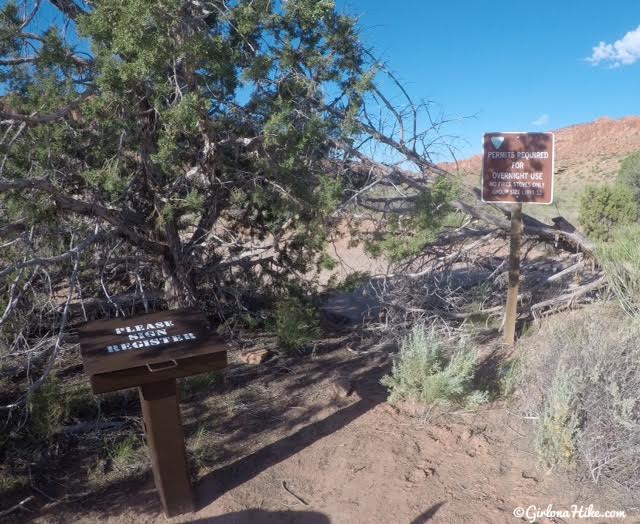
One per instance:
(313,441)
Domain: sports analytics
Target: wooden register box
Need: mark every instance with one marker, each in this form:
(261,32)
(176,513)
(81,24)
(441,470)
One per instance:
(151,352)
(124,353)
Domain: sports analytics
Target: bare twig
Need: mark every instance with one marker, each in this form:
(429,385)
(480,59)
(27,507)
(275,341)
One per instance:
(19,505)
(299,499)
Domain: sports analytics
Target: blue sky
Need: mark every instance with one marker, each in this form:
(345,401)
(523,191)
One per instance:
(510,63)
(515,66)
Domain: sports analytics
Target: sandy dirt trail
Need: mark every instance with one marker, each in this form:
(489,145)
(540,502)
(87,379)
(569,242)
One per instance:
(295,448)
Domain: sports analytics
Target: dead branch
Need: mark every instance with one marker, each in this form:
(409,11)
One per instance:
(532,227)
(567,299)
(43,261)
(34,119)
(19,505)
(86,427)
(58,343)
(571,269)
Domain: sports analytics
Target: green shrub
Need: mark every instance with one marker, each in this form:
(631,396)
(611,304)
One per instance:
(202,450)
(407,234)
(81,403)
(605,207)
(558,427)
(629,174)
(48,408)
(620,259)
(124,454)
(351,282)
(200,383)
(425,371)
(55,403)
(10,482)
(120,458)
(508,373)
(296,324)
(579,381)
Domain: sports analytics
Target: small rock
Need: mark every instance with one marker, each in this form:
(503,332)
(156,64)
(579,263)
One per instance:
(257,356)
(467,433)
(419,474)
(342,387)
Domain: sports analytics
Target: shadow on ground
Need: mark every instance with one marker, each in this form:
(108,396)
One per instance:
(367,389)
(265,415)
(428,515)
(258,516)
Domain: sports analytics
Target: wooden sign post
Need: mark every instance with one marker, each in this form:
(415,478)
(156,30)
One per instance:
(515,243)
(150,352)
(517,168)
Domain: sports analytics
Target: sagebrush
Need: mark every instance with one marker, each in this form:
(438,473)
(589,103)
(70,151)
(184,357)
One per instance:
(620,259)
(579,381)
(427,370)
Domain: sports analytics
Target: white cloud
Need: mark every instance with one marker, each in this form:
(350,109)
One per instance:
(542,120)
(625,51)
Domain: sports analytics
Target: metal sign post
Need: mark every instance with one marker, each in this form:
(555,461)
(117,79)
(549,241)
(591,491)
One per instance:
(517,168)
(150,352)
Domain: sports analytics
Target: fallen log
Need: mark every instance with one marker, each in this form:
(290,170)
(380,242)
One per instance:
(532,227)
(563,234)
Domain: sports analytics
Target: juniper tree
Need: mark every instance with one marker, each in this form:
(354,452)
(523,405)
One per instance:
(182,146)
(133,121)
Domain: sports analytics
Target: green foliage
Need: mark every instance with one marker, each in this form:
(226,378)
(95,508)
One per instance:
(193,117)
(559,424)
(47,409)
(296,324)
(605,207)
(194,133)
(108,179)
(508,376)
(123,452)
(330,190)
(629,174)
(202,450)
(350,283)
(55,403)
(620,259)
(200,383)
(327,262)
(409,235)
(9,482)
(425,371)
(120,458)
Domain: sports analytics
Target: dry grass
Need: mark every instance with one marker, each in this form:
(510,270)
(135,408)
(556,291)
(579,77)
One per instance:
(620,259)
(580,383)
(120,458)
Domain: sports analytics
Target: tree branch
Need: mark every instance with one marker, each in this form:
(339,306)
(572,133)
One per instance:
(34,119)
(123,221)
(68,8)
(38,261)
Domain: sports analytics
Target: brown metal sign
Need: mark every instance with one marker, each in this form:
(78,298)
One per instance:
(518,167)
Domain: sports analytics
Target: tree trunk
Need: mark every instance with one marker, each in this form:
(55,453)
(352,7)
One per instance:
(179,287)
